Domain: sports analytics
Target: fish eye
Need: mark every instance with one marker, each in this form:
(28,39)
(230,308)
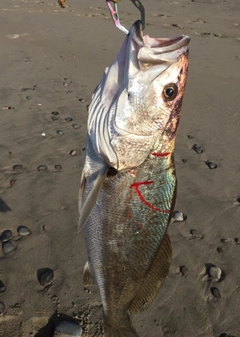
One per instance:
(170,92)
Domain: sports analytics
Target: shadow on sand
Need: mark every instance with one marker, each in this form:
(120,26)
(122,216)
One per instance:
(48,329)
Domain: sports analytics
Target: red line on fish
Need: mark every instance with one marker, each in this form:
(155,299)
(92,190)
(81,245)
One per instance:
(160,154)
(141,197)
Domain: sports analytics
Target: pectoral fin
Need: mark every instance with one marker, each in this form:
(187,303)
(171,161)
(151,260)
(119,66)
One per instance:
(89,203)
(154,278)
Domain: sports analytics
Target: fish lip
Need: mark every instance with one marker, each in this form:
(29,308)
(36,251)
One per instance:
(162,45)
(136,33)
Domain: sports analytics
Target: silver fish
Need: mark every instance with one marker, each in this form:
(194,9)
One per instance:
(128,184)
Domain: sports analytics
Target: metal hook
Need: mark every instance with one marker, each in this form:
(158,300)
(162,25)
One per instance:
(139,5)
(114,12)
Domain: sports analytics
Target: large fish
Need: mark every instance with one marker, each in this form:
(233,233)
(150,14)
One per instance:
(128,184)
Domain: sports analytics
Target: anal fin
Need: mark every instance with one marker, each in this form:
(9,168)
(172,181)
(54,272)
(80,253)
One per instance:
(155,277)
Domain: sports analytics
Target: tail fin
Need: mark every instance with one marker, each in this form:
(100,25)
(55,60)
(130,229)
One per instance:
(119,331)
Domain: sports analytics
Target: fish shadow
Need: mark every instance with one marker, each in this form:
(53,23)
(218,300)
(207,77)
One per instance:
(4,207)
(49,328)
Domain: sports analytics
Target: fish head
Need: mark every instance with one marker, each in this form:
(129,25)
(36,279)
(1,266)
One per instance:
(154,74)
(140,97)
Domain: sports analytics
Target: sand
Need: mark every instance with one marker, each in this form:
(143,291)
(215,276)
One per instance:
(51,59)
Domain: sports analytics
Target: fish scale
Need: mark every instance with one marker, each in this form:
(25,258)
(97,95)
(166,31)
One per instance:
(131,247)
(128,184)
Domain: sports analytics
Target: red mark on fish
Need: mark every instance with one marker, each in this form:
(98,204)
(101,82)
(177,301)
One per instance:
(141,197)
(157,154)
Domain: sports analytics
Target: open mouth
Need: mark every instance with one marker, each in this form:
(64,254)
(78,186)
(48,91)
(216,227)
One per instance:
(161,45)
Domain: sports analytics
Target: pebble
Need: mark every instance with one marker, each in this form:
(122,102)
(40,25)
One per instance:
(8,247)
(238,201)
(184,161)
(60,132)
(45,276)
(58,167)
(196,234)
(190,137)
(2,287)
(55,118)
(65,84)
(82,100)
(183,270)
(23,230)
(197,148)
(73,153)
(42,167)
(178,216)
(28,97)
(43,134)
(211,165)
(215,273)
(215,292)
(224,335)
(219,250)
(6,235)
(76,126)
(18,168)
(55,113)
(67,329)
(68,119)
(2,308)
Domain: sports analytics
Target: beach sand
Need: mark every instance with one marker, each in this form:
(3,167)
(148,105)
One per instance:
(51,60)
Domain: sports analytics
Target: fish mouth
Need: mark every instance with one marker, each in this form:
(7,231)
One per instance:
(164,44)
(157,50)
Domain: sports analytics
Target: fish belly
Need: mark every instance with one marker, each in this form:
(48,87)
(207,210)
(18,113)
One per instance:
(126,234)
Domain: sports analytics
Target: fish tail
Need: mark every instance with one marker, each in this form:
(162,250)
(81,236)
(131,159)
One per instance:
(119,330)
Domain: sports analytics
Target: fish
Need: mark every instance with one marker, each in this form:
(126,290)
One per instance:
(128,182)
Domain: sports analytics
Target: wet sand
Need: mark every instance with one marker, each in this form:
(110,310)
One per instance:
(51,60)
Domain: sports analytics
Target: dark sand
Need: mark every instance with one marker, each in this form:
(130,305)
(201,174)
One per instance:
(59,56)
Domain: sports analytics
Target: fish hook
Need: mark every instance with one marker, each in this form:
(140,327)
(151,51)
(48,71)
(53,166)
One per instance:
(116,19)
